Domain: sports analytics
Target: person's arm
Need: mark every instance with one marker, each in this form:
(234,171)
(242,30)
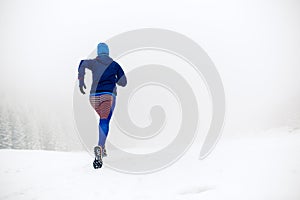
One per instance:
(121,77)
(81,72)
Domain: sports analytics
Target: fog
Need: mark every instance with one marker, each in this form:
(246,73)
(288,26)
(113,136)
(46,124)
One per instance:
(255,46)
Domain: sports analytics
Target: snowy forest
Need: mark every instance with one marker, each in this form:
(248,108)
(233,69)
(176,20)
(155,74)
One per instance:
(25,127)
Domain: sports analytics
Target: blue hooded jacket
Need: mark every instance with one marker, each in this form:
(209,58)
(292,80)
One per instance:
(106,73)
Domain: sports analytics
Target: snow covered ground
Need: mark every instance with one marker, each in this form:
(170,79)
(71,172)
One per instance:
(264,168)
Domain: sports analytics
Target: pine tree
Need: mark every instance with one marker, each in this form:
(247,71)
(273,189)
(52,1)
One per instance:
(5,130)
(31,128)
(18,135)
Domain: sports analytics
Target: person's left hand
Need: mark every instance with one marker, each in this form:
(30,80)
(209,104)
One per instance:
(81,88)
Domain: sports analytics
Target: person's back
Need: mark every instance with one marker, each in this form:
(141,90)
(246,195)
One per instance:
(106,74)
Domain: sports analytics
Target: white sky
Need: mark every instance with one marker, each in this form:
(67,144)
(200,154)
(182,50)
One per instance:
(254,44)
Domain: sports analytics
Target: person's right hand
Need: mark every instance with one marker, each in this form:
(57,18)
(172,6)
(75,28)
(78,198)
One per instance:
(81,88)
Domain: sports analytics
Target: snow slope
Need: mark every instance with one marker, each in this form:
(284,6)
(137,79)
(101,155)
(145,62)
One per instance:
(264,168)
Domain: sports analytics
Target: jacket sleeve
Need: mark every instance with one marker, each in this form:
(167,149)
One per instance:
(81,71)
(121,77)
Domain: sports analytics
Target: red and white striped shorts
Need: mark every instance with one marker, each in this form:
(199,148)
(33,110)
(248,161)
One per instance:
(103,105)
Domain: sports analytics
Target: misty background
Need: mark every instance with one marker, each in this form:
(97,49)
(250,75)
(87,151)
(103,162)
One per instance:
(255,46)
